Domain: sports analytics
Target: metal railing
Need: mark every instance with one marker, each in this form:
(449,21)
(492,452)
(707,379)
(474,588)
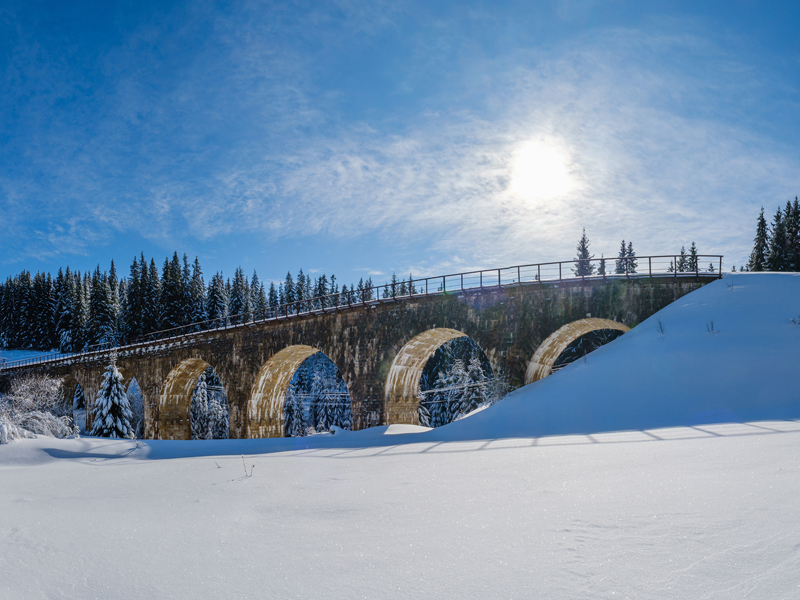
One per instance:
(550,272)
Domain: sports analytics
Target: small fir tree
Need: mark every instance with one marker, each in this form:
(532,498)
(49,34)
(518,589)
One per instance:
(776,260)
(630,258)
(112,413)
(583,264)
(293,417)
(621,266)
(758,257)
(692,264)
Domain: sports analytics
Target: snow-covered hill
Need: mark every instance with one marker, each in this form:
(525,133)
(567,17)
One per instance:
(728,352)
(665,466)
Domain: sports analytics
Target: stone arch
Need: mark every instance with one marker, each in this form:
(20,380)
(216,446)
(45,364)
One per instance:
(402,384)
(541,365)
(173,420)
(265,407)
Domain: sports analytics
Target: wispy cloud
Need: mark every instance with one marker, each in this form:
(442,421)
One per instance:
(245,135)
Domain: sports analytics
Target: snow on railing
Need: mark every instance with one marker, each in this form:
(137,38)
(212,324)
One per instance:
(550,272)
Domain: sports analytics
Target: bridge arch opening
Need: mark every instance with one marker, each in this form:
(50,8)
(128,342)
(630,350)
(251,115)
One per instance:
(298,391)
(569,343)
(174,417)
(437,376)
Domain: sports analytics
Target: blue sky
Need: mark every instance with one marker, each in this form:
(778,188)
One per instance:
(367,137)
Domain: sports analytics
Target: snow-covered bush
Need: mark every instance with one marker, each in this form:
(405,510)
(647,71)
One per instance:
(10,432)
(37,392)
(45,423)
(35,405)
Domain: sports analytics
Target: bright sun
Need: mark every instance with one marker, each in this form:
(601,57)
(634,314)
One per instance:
(539,171)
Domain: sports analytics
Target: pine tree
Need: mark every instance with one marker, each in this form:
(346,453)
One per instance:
(622,263)
(173,297)
(293,417)
(186,292)
(289,295)
(78,399)
(272,297)
(631,258)
(793,243)
(199,315)
(683,261)
(151,299)
(411,286)
(240,307)
(758,257)
(112,412)
(602,269)
(474,380)
(692,264)
(776,261)
(258,298)
(199,412)
(369,289)
(217,406)
(217,302)
(100,329)
(583,264)
(133,311)
(80,312)
(320,403)
(791,232)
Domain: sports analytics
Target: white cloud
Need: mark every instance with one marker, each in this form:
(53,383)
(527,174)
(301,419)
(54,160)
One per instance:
(649,167)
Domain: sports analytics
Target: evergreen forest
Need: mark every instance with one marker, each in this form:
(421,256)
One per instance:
(75,311)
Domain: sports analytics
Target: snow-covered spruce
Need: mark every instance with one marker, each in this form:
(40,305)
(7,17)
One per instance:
(209,408)
(199,411)
(112,412)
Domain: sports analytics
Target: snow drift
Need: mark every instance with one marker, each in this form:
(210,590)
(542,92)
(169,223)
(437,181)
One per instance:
(725,353)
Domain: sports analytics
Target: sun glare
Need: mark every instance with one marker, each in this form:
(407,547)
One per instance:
(539,171)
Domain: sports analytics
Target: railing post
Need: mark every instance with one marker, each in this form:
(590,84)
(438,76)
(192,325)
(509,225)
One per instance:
(650,265)
(559,271)
(462,282)
(675,266)
(539,272)
(499,283)
(519,277)
(444,283)
(481,279)
(720,267)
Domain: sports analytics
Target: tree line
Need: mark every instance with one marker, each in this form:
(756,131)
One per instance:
(75,311)
(776,247)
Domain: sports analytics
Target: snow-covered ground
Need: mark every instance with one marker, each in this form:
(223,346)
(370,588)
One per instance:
(665,466)
(10,355)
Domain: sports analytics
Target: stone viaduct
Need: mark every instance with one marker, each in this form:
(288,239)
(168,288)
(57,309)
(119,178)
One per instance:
(380,348)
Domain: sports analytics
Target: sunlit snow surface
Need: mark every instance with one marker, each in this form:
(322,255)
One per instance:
(541,496)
